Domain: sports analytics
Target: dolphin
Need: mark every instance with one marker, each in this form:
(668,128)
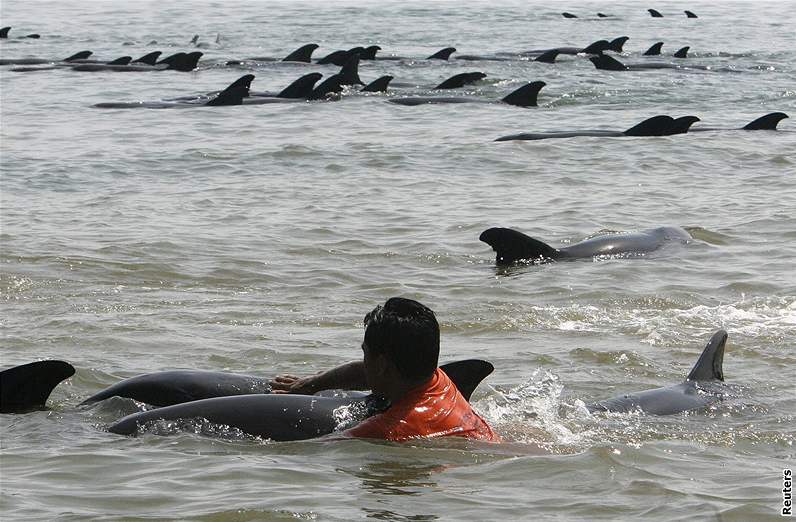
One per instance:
(568,15)
(40,61)
(525,96)
(512,246)
(655,14)
(654,50)
(4,34)
(301,55)
(767,122)
(661,125)
(701,388)
(608,63)
(597,47)
(690,14)
(460,80)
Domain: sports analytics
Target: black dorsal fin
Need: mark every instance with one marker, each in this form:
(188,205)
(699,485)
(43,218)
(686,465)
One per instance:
(602,15)
(234,93)
(460,80)
(122,60)
(690,14)
(330,85)
(655,14)
(526,95)
(596,47)
(335,57)
(349,74)
(467,375)
(27,387)
(378,85)
(709,365)
(682,124)
(369,53)
(149,59)
(607,63)
(654,50)
(655,126)
(568,15)
(82,55)
(682,52)
(171,58)
(767,122)
(189,62)
(548,57)
(301,88)
(302,54)
(618,44)
(442,54)
(4,32)
(511,246)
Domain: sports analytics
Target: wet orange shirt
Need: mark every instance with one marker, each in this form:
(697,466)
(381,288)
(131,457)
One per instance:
(434,409)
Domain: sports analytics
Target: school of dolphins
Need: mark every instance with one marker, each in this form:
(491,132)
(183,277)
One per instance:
(244,402)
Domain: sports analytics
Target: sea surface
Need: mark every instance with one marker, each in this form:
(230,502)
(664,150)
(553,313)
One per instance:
(254,239)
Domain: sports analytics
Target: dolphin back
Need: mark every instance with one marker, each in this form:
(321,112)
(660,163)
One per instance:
(27,387)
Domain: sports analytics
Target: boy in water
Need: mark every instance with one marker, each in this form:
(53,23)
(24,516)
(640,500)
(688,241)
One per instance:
(400,363)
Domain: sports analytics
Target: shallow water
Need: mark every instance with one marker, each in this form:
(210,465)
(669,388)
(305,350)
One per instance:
(254,239)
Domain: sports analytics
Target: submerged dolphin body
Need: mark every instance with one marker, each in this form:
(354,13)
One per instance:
(525,96)
(662,125)
(701,388)
(512,246)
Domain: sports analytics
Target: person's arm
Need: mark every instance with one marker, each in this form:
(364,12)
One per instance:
(349,376)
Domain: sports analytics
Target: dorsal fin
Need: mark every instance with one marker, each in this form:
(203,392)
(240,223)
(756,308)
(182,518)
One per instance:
(709,365)
(378,85)
(26,387)
(122,60)
(149,59)
(654,50)
(369,53)
(82,55)
(325,88)
(511,246)
(526,95)
(349,74)
(4,32)
(460,80)
(682,52)
(189,62)
(618,44)
(568,15)
(596,47)
(171,58)
(195,39)
(442,54)
(655,126)
(234,93)
(655,14)
(302,54)
(301,88)
(548,57)
(682,124)
(767,122)
(602,15)
(335,58)
(467,375)
(690,14)
(607,63)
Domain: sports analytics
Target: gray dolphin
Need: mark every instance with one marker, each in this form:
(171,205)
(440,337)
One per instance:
(700,389)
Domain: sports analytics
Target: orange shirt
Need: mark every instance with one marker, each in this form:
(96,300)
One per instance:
(434,409)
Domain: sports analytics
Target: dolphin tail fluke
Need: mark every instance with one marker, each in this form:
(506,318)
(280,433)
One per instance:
(302,54)
(148,59)
(511,246)
(349,74)
(655,126)
(709,365)
(607,63)
(467,375)
(767,122)
(122,60)
(301,88)
(654,50)
(378,85)
(526,95)
(4,32)
(82,55)
(27,387)
(442,54)
(618,44)
(234,94)
(682,52)
(548,57)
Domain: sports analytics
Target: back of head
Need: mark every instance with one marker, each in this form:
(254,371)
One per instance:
(407,333)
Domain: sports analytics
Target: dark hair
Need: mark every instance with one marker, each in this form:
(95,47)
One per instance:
(407,333)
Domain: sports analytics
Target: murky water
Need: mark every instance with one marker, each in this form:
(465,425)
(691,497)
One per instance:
(254,239)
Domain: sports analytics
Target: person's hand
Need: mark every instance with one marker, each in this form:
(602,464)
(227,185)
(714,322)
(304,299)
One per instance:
(293,384)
